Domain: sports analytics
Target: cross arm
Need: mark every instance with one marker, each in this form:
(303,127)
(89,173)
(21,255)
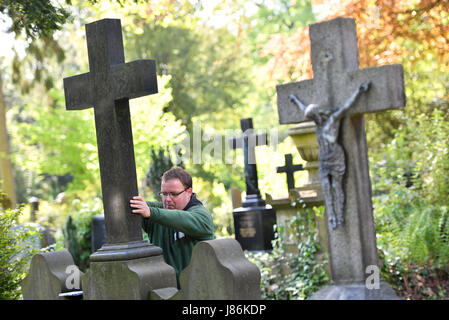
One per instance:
(289,111)
(259,139)
(298,102)
(386,89)
(294,168)
(134,79)
(78,92)
(349,103)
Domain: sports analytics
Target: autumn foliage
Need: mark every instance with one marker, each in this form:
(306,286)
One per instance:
(389,31)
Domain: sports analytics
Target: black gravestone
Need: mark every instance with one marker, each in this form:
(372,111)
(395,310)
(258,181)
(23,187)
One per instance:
(254,221)
(254,227)
(98,232)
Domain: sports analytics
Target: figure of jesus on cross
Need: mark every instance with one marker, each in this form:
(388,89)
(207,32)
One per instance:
(332,157)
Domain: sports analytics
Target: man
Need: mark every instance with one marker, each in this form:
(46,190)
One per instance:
(179,222)
(332,157)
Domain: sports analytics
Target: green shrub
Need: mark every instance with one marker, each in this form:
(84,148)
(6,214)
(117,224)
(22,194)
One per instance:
(411,188)
(78,232)
(286,275)
(16,250)
(410,203)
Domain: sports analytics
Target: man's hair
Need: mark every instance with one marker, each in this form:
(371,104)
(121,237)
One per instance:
(178,173)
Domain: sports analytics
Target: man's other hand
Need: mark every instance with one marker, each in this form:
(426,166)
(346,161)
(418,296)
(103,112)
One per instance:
(140,207)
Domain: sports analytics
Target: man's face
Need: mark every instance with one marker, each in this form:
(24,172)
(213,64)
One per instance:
(175,186)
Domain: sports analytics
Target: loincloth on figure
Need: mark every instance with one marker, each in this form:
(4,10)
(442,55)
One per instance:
(333,163)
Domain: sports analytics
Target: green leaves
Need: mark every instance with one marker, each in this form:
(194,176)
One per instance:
(293,273)
(64,142)
(15,252)
(78,230)
(411,189)
(34,17)
(206,73)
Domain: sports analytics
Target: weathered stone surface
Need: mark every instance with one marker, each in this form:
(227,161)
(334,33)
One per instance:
(218,270)
(47,276)
(107,88)
(336,75)
(125,267)
(128,279)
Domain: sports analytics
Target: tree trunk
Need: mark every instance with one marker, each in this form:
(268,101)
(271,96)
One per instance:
(6,173)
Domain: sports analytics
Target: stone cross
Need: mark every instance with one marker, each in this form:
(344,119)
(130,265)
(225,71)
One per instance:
(107,88)
(248,141)
(290,169)
(334,52)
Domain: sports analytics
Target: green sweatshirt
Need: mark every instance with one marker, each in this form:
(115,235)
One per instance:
(178,231)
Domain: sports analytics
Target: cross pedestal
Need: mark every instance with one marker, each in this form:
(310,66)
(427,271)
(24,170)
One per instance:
(107,88)
(254,221)
(352,245)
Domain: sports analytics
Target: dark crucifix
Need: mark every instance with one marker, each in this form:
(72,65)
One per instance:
(248,142)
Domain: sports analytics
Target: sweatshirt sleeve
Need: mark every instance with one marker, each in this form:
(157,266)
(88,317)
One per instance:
(195,222)
(146,223)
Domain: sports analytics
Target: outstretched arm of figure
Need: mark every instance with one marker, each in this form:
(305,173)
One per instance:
(296,101)
(341,111)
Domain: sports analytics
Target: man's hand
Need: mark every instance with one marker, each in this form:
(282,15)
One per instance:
(140,206)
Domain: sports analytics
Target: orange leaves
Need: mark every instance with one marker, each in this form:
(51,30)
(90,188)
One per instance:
(290,57)
(389,31)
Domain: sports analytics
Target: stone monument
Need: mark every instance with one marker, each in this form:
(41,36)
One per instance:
(50,276)
(255,220)
(339,84)
(107,88)
(218,271)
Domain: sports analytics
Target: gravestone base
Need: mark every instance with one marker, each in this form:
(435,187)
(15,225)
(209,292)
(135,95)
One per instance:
(253,200)
(125,251)
(254,227)
(127,279)
(355,291)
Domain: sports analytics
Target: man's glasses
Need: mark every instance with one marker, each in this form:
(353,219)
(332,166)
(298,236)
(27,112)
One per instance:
(171,194)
